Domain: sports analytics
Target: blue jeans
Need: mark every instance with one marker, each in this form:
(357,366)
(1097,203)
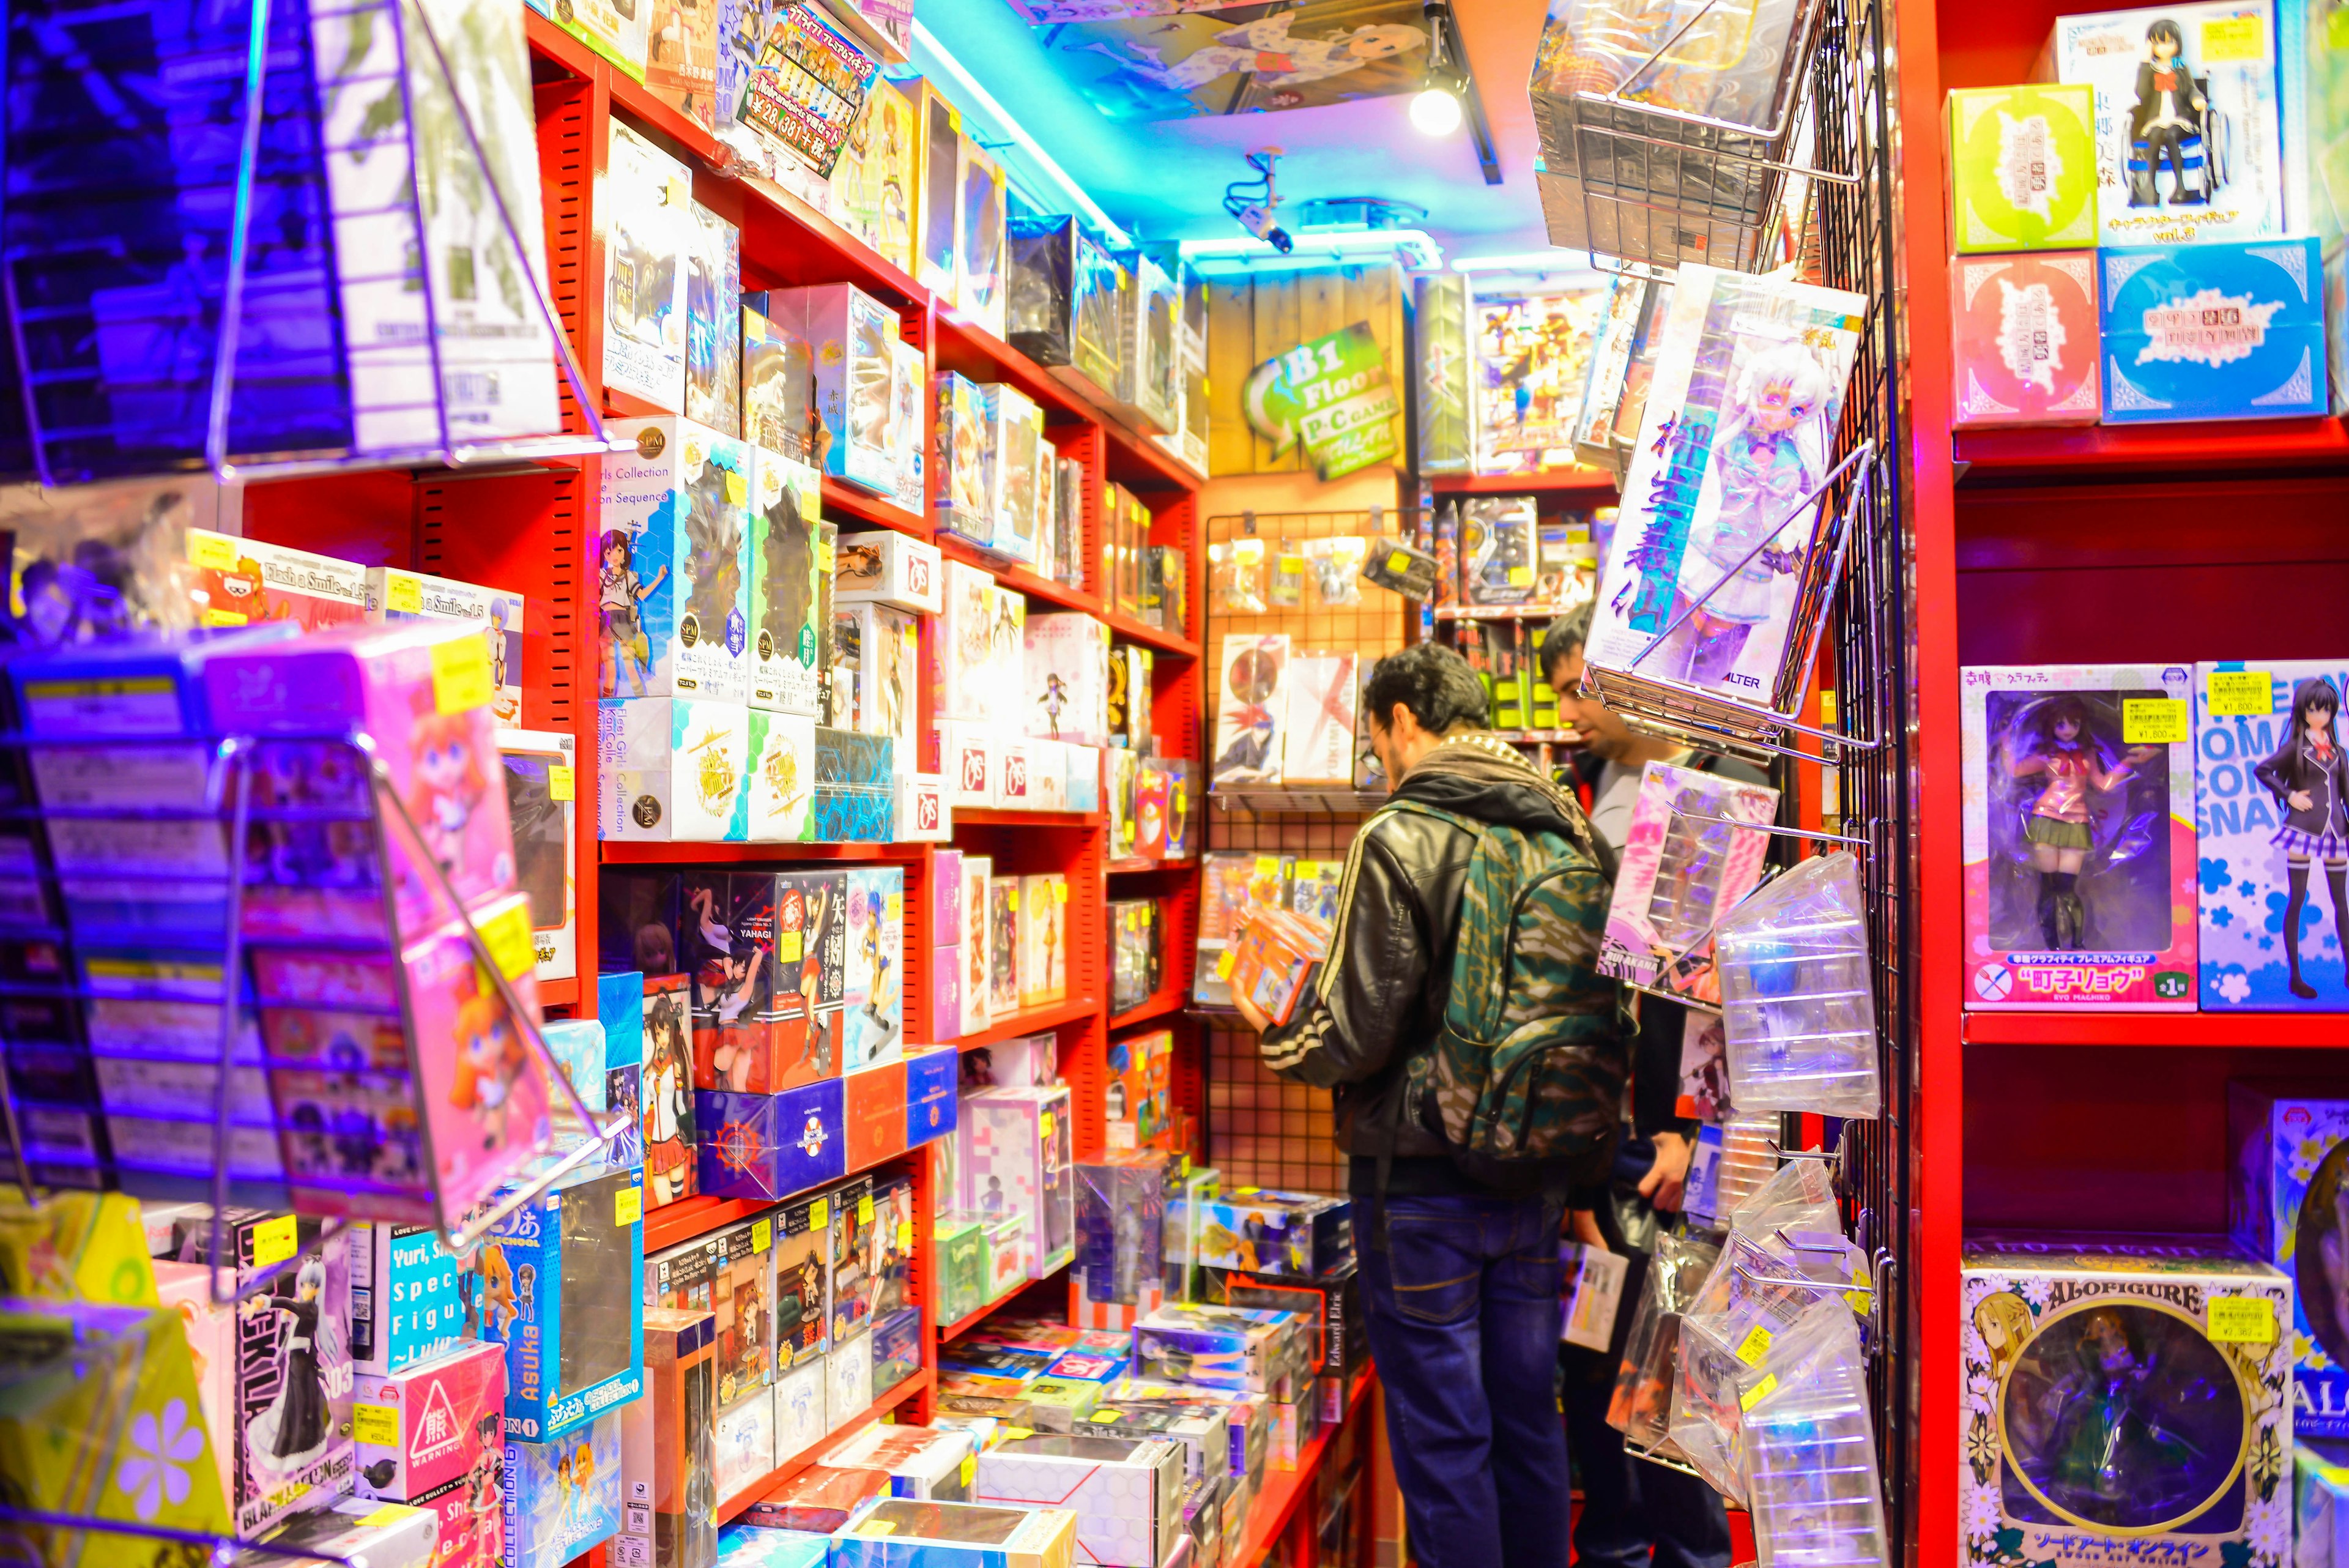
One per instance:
(1464,1320)
(1630,1507)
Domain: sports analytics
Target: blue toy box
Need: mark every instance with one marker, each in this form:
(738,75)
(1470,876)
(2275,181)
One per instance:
(930,1077)
(2218,331)
(558,1285)
(563,1497)
(751,1546)
(770,1145)
(2289,1205)
(405,1303)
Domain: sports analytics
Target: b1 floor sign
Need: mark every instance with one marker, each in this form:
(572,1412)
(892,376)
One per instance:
(1332,396)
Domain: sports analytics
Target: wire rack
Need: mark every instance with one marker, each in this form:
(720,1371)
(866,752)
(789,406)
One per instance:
(1848,244)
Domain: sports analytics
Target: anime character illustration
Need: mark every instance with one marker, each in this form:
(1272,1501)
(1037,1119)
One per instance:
(2003,1321)
(786,576)
(1055,697)
(799,1301)
(725,987)
(815,1040)
(1265,50)
(1770,454)
(297,1426)
(2309,776)
(447,786)
(875,957)
(626,646)
(491,1307)
(472,1538)
(713,532)
(2320,1254)
(1250,682)
(500,616)
(491,1058)
(2169,123)
(752,1325)
(669,1102)
(2061,750)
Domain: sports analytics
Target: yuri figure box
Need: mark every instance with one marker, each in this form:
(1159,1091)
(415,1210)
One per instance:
(2189,123)
(2024,340)
(674,562)
(2213,332)
(1739,428)
(2271,823)
(2079,854)
(2285,1205)
(2022,169)
(2125,1397)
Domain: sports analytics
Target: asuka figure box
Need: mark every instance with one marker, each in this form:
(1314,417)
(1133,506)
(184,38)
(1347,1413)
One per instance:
(1716,542)
(2272,821)
(2079,849)
(2126,1399)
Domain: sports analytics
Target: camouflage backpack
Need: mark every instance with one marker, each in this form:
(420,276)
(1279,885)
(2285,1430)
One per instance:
(1530,1063)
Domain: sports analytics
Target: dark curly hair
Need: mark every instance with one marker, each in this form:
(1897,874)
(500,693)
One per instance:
(1433,683)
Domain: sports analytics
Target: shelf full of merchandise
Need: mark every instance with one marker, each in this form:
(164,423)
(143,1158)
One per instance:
(532,529)
(2044,545)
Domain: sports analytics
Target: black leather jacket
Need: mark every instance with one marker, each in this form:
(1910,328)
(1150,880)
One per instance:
(1389,975)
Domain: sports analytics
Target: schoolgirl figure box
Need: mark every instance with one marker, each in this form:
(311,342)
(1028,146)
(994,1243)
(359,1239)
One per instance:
(2288,1204)
(1716,542)
(2126,1398)
(2272,821)
(2188,121)
(2079,849)
(673,562)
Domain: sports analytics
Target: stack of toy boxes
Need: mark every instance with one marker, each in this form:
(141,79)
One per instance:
(1014,1161)
(2133,235)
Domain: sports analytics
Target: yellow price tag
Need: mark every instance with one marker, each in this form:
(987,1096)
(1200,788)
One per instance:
(376,1425)
(507,935)
(2242,693)
(820,1213)
(1059,892)
(969,1468)
(2234,38)
(1267,865)
(905,1235)
(1398,563)
(1756,1395)
(562,782)
(1011,900)
(864,1210)
(2155,722)
(628,1205)
(403,592)
(1756,1349)
(2243,1320)
(1223,965)
(390,1513)
(1045,1124)
(738,489)
(1521,576)
(877,1527)
(461,675)
(1307,870)
(789,945)
(1247,551)
(211,552)
(275,1240)
(763,1235)
(823,557)
(896,906)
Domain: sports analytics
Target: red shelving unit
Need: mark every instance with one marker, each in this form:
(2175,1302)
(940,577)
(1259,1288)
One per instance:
(1595,481)
(916,1388)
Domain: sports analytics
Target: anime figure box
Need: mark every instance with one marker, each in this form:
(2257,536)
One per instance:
(558,1283)
(1717,544)
(2285,1205)
(2079,854)
(2189,123)
(671,769)
(2271,823)
(2125,1397)
(563,1495)
(2213,331)
(673,562)
(784,561)
(2022,169)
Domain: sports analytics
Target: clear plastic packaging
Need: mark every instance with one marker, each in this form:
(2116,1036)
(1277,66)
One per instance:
(1800,1195)
(1641,1407)
(1687,861)
(1797,1012)
(1285,587)
(1337,570)
(1235,577)
(1812,1478)
(1040,312)
(1728,60)
(1746,1158)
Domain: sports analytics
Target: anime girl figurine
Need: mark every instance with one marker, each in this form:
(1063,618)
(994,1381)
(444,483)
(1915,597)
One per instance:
(725,986)
(477,1540)
(626,647)
(447,786)
(501,612)
(2061,751)
(786,575)
(884,989)
(669,1102)
(490,1057)
(2171,114)
(492,1302)
(2309,776)
(298,1424)
(1055,697)
(1770,454)
(713,532)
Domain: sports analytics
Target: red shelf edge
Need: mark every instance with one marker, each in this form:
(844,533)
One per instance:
(689,1219)
(1035,1020)
(864,507)
(2285,1031)
(633,852)
(731,1507)
(1542,480)
(996,816)
(1132,630)
(1158,1006)
(1282,1488)
(1034,584)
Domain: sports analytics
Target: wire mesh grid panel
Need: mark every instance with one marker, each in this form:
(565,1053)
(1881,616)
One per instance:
(1850,242)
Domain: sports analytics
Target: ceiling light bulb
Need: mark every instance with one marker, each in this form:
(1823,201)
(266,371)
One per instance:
(1435,112)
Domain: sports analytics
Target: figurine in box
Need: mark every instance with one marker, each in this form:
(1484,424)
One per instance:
(667,1092)
(803,1283)
(558,1284)
(2122,1397)
(2288,1204)
(563,1496)
(1248,713)
(2271,811)
(2078,856)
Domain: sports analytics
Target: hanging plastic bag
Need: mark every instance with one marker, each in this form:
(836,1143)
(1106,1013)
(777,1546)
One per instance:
(1798,1013)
